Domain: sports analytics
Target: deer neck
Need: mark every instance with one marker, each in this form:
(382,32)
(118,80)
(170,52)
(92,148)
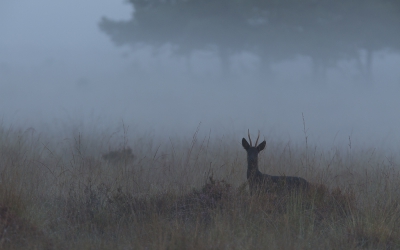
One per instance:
(252,168)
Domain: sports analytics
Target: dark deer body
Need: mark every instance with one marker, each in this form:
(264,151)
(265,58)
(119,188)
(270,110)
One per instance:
(259,182)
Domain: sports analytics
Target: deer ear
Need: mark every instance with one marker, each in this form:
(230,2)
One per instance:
(245,144)
(261,146)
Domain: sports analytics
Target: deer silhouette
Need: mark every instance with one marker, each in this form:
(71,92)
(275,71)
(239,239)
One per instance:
(259,182)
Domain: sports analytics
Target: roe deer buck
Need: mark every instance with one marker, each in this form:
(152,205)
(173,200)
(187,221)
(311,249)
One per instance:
(259,182)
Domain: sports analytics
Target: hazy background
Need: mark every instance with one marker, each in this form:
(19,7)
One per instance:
(60,68)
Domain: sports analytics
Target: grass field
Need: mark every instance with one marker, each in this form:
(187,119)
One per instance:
(190,193)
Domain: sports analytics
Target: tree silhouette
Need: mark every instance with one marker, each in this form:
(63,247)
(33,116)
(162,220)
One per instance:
(327,31)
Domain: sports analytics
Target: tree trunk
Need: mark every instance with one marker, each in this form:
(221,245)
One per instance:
(319,70)
(225,63)
(265,69)
(368,67)
(188,59)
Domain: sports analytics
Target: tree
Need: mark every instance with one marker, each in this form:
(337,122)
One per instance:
(325,30)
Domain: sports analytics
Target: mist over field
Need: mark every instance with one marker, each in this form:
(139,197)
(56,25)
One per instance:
(59,70)
(121,124)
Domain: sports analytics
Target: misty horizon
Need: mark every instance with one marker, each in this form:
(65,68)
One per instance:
(54,79)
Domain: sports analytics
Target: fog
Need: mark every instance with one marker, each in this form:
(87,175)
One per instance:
(58,70)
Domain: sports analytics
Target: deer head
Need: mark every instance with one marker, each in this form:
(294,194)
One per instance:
(252,151)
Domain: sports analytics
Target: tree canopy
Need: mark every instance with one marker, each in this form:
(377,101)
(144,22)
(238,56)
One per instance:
(325,30)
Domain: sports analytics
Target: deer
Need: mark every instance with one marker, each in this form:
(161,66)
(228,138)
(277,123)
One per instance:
(259,182)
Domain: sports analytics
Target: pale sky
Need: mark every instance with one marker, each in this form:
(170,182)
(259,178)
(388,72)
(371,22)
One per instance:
(48,23)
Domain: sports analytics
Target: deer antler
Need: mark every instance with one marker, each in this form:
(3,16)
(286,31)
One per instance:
(248,132)
(257,138)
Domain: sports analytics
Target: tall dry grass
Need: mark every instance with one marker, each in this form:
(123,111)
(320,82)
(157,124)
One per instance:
(190,193)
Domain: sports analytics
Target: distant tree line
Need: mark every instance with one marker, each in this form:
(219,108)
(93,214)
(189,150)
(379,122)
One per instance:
(327,31)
